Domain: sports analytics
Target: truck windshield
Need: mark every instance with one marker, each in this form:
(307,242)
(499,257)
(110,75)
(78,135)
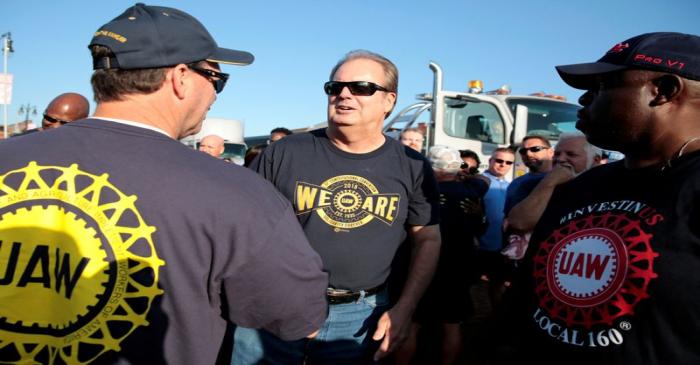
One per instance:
(547,118)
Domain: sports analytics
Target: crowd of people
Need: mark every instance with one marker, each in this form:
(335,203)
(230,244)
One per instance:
(119,244)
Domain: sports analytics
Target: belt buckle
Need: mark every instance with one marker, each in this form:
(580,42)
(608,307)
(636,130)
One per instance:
(337,292)
(340,296)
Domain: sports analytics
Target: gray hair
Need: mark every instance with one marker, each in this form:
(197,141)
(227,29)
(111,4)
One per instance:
(390,71)
(445,159)
(591,150)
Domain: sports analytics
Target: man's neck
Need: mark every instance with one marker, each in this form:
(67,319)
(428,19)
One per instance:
(497,176)
(355,140)
(143,109)
(665,153)
(546,166)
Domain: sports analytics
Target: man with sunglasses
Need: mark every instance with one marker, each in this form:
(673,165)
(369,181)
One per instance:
(572,156)
(356,192)
(536,153)
(612,263)
(491,263)
(123,245)
(63,109)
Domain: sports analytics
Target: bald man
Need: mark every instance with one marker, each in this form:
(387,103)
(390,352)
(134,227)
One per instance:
(63,109)
(212,145)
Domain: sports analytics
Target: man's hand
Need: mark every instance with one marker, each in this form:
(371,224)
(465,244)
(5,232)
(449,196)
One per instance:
(561,173)
(392,329)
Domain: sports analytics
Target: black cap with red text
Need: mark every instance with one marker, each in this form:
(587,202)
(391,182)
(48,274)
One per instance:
(145,36)
(675,53)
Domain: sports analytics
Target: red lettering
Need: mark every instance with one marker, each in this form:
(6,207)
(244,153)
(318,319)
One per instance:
(565,265)
(671,63)
(578,266)
(649,59)
(583,265)
(654,219)
(595,266)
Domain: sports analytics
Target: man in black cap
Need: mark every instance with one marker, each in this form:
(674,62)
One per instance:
(612,262)
(118,244)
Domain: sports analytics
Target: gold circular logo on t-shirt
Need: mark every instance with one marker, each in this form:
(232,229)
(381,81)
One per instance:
(78,268)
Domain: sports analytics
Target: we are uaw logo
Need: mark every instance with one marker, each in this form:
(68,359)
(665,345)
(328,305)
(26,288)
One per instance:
(590,274)
(78,268)
(346,202)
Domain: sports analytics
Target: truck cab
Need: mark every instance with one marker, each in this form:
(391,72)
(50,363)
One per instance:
(483,121)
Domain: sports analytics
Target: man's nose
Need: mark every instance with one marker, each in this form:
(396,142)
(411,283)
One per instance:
(586,98)
(345,92)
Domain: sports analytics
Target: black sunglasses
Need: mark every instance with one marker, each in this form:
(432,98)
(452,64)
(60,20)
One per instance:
(357,88)
(533,149)
(472,170)
(52,120)
(498,160)
(217,79)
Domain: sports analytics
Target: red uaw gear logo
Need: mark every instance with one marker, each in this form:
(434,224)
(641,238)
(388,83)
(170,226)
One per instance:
(587,268)
(594,270)
(619,48)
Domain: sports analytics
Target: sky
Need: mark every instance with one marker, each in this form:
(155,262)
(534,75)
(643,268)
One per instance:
(296,43)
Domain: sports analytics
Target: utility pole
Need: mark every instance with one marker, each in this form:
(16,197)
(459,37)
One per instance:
(6,50)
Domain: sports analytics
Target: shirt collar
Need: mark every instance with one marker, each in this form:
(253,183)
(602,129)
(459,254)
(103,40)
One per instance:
(135,124)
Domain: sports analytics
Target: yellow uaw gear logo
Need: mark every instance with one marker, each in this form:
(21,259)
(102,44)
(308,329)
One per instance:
(346,201)
(78,268)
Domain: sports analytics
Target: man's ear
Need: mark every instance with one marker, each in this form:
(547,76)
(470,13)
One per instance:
(667,88)
(390,101)
(179,78)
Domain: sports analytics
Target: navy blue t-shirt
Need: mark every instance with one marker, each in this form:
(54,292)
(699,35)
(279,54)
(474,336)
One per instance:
(353,207)
(119,244)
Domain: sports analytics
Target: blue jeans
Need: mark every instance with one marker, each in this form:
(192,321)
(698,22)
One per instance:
(345,338)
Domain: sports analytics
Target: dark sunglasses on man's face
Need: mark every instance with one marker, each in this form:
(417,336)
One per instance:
(217,79)
(499,161)
(357,88)
(533,149)
(53,120)
(471,170)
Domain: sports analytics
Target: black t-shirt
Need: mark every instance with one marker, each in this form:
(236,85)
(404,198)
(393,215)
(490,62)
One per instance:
(613,267)
(353,207)
(115,237)
(459,223)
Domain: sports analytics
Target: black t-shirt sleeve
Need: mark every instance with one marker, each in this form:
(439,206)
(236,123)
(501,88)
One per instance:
(281,285)
(262,164)
(424,205)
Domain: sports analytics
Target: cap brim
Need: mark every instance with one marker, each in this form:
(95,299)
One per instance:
(582,75)
(231,57)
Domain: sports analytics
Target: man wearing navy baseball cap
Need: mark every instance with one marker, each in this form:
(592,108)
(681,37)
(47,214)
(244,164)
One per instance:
(611,264)
(119,244)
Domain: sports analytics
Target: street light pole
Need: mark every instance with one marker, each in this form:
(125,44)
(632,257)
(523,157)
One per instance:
(6,49)
(27,109)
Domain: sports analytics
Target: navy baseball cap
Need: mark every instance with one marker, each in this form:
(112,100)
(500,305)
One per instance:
(675,53)
(147,36)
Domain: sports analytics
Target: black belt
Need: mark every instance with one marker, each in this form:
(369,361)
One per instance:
(339,296)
